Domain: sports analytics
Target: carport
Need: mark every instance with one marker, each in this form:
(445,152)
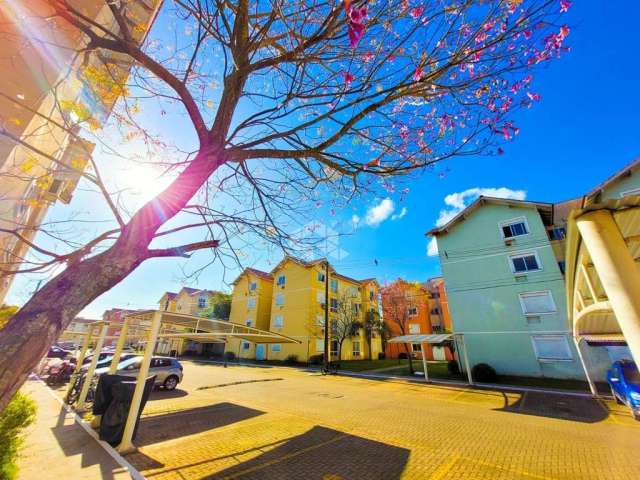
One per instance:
(150,325)
(435,338)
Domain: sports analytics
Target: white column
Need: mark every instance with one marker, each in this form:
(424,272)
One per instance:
(466,361)
(592,386)
(126,446)
(85,346)
(617,270)
(92,368)
(424,362)
(122,338)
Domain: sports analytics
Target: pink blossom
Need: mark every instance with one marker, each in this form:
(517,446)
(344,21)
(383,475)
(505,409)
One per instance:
(564,32)
(404,132)
(564,6)
(356,18)
(527,34)
(417,75)
(534,97)
(348,78)
(367,57)
(417,12)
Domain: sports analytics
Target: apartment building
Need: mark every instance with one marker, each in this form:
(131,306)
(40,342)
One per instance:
(293,296)
(40,161)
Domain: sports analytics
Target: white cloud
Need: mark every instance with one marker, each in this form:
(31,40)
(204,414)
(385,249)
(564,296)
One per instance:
(380,212)
(458,201)
(398,216)
(355,220)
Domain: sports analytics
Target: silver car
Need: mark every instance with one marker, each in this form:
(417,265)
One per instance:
(167,370)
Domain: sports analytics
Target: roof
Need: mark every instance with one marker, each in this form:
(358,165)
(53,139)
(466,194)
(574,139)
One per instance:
(545,209)
(253,271)
(422,338)
(169,295)
(623,172)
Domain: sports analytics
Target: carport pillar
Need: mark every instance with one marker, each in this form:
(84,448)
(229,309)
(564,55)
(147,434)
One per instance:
(592,385)
(617,270)
(122,338)
(466,360)
(424,362)
(85,346)
(92,368)
(126,445)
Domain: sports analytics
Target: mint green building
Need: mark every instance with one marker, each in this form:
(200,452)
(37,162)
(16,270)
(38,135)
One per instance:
(503,263)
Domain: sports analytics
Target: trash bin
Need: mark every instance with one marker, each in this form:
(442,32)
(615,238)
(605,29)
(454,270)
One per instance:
(115,415)
(104,392)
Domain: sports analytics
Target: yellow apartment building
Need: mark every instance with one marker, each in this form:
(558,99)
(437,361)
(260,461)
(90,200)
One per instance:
(291,298)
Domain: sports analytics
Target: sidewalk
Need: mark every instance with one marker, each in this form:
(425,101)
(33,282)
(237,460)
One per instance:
(56,446)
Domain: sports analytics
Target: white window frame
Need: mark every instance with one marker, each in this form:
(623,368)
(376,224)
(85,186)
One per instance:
(251,303)
(202,302)
(277,299)
(414,349)
(549,294)
(320,345)
(249,322)
(331,307)
(276,323)
(521,255)
(511,221)
(333,282)
(320,274)
(320,320)
(320,297)
(413,330)
(276,347)
(354,352)
(253,286)
(246,345)
(282,283)
(412,308)
(555,337)
(332,352)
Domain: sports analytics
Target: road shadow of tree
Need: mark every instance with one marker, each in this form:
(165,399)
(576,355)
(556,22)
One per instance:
(323,453)
(552,405)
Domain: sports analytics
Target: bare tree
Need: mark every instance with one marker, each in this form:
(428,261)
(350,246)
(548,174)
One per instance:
(260,112)
(373,326)
(346,322)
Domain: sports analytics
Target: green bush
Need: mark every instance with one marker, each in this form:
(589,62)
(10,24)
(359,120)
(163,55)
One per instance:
(453,367)
(484,373)
(291,359)
(19,413)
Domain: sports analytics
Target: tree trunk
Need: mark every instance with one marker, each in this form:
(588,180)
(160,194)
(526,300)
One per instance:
(409,352)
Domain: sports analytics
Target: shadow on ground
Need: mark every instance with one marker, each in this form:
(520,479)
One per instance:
(323,453)
(563,407)
(161,394)
(167,426)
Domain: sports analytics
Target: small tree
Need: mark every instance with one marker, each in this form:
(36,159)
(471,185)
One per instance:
(372,326)
(346,323)
(397,300)
(219,307)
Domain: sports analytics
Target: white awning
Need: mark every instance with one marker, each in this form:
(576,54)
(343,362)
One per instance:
(422,338)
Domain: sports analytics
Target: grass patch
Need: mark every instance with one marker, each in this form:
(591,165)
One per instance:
(19,413)
(362,365)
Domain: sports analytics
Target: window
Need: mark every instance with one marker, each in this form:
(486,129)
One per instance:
(321,277)
(356,349)
(202,302)
(334,326)
(525,263)
(414,328)
(551,347)
(435,311)
(537,303)
(320,297)
(320,346)
(356,308)
(334,285)
(320,320)
(412,311)
(278,321)
(416,347)
(333,302)
(558,233)
(251,303)
(249,323)
(282,280)
(276,347)
(514,228)
(253,286)
(280,299)
(334,348)
(372,295)
(246,345)
(353,291)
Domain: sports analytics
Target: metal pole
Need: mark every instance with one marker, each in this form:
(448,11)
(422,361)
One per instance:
(122,338)
(592,385)
(92,368)
(85,345)
(424,362)
(326,316)
(126,445)
(466,360)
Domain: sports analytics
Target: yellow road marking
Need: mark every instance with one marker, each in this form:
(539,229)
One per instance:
(284,457)
(445,467)
(512,470)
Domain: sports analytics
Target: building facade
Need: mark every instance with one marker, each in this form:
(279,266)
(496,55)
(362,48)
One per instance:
(503,266)
(293,296)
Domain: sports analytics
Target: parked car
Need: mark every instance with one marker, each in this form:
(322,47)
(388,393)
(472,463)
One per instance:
(105,362)
(168,371)
(57,352)
(624,380)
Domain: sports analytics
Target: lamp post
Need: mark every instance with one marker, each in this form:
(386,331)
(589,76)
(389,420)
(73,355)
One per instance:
(326,316)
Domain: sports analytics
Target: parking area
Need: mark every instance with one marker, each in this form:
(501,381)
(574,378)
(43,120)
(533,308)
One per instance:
(263,423)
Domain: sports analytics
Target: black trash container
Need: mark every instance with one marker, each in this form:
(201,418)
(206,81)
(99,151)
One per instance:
(104,391)
(115,415)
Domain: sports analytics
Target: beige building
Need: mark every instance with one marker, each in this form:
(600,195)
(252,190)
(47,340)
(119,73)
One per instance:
(46,98)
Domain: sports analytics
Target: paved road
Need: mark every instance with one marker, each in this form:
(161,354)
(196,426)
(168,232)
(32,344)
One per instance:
(279,423)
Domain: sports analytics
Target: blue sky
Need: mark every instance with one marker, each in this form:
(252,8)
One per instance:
(586,127)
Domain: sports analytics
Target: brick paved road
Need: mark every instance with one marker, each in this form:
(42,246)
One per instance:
(279,423)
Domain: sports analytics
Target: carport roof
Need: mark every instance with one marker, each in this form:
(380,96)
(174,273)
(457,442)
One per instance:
(422,338)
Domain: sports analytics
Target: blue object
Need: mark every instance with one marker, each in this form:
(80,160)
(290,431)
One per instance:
(624,380)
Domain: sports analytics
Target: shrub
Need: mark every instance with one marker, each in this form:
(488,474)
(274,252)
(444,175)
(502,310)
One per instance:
(484,373)
(229,356)
(19,413)
(453,367)
(291,359)
(316,359)
(381,356)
